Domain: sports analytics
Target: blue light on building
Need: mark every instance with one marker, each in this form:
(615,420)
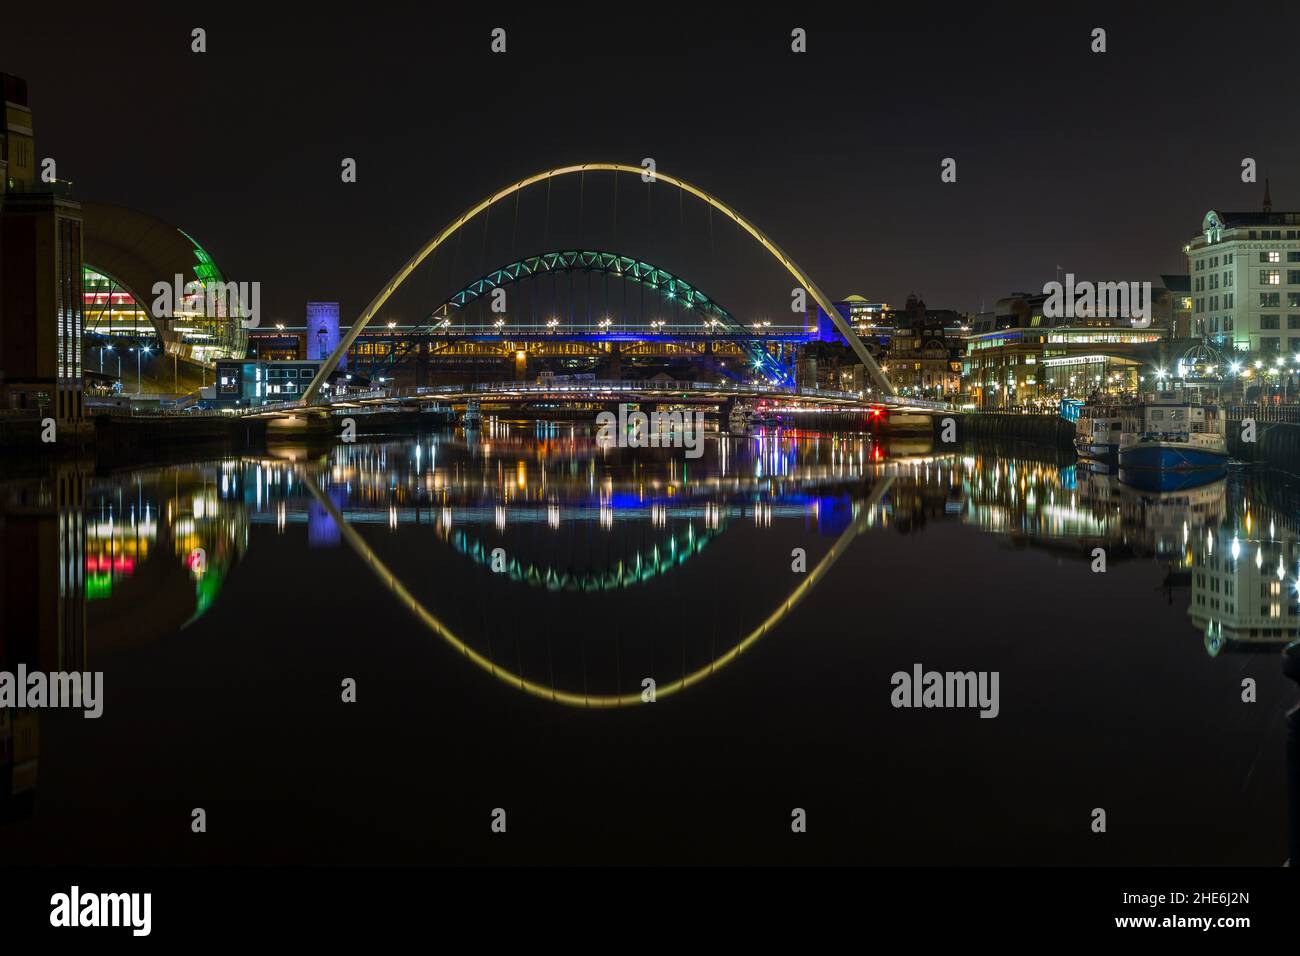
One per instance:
(323,331)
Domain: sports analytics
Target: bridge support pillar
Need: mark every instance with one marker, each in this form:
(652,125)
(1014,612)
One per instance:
(422,364)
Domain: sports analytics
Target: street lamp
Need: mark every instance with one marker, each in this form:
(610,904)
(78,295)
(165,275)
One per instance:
(142,349)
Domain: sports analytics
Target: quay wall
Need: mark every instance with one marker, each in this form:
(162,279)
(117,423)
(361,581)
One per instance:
(1276,444)
(1049,430)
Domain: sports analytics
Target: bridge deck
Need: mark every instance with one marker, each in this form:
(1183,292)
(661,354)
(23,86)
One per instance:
(606,391)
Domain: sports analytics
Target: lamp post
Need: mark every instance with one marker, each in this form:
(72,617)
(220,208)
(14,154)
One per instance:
(142,349)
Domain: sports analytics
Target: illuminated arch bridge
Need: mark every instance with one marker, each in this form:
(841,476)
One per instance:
(711,321)
(878,378)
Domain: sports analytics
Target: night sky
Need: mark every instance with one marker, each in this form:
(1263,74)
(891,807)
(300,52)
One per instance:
(1100,164)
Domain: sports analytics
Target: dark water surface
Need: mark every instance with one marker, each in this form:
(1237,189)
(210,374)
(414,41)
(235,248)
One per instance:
(521,688)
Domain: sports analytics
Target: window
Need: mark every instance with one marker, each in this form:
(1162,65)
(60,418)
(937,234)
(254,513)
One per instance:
(1293,321)
(1268,322)
(1293,276)
(1293,300)
(1270,277)
(1270,256)
(1293,257)
(1270,300)
(1270,343)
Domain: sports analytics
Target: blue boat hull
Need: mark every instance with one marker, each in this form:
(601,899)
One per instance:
(1147,479)
(1162,457)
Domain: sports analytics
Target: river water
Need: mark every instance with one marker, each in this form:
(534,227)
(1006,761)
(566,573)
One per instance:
(501,600)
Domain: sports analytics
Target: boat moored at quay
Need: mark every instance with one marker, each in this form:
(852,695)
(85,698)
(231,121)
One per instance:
(1173,434)
(1097,433)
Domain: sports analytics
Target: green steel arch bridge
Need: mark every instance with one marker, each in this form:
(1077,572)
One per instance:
(712,321)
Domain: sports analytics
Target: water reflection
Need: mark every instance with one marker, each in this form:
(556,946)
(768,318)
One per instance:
(569,516)
(503,543)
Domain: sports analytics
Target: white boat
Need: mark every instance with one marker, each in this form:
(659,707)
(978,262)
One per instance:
(1097,432)
(1173,435)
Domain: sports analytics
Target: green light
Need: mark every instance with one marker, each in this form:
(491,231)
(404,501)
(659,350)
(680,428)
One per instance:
(98,586)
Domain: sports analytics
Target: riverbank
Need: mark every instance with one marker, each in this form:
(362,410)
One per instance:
(117,439)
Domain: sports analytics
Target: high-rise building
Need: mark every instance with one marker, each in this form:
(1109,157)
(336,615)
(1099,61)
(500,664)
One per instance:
(1245,275)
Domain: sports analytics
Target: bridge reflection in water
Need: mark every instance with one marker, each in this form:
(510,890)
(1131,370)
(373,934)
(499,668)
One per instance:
(613,520)
(599,545)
